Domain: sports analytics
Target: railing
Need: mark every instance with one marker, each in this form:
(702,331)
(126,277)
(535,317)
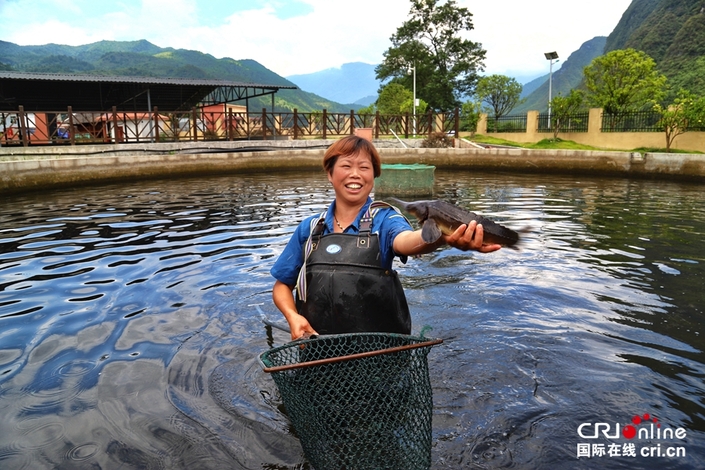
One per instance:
(507,124)
(638,121)
(577,122)
(114,127)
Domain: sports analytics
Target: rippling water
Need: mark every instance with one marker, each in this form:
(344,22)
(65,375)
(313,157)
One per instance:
(130,324)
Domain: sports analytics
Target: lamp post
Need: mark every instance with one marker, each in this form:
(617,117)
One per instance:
(413,69)
(551,56)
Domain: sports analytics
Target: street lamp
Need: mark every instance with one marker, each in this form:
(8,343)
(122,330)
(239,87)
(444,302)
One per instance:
(410,70)
(550,56)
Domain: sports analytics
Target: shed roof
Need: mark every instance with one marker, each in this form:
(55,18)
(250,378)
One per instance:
(55,92)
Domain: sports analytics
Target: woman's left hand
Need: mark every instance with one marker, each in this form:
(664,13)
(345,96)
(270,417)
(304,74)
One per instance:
(470,237)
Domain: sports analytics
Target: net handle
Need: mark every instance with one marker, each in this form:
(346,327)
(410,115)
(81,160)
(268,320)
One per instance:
(332,360)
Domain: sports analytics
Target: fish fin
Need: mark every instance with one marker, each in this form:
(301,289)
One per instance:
(430,231)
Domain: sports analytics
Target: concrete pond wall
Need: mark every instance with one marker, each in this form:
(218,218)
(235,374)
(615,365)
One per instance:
(41,168)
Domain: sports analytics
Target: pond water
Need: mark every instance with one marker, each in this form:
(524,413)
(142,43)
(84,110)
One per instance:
(131,321)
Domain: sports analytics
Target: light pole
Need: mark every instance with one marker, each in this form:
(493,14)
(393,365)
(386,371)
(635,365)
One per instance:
(550,56)
(413,69)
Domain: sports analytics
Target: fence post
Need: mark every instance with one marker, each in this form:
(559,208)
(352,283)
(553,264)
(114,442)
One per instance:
(264,123)
(594,122)
(352,121)
(115,126)
(377,124)
(324,123)
(23,127)
(156,124)
(72,130)
(457,123)
(296,123)
(229,123)
(481,127)
(430,122)
(532,126)
(194,126)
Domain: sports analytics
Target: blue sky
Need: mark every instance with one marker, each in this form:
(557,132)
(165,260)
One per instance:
(305,36)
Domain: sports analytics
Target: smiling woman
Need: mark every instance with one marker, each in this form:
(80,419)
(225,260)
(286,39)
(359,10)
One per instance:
(340,261)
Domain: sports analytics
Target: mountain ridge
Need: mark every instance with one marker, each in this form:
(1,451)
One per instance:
(672,32)
(142,58)
(352,82)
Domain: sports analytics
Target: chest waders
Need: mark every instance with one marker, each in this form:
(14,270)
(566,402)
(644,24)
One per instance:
(348,290)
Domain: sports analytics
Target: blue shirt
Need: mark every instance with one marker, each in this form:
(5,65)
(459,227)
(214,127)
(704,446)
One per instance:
(387,224)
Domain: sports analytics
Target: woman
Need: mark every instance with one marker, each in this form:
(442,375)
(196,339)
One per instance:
(341,261)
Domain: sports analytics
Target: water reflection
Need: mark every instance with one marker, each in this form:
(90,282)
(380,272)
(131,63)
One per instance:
(131,322)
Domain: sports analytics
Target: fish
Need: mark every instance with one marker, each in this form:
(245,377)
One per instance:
(441,217)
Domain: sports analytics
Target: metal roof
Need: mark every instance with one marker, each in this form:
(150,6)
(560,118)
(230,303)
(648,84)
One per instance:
(55,92)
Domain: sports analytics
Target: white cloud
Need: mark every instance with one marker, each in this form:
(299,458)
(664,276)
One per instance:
(515,33)
(517,37)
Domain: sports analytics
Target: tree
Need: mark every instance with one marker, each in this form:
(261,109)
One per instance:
(500,93)
(395,99)
(470,116)
(391,97)
(684,113)
(430,40)
(562,108)
(623,81)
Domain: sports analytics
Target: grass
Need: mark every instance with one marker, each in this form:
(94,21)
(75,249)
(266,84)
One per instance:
(662,150)
(560,144)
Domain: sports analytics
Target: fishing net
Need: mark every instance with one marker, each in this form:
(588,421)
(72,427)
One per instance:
(358,401)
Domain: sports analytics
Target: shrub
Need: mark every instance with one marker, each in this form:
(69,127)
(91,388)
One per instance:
(437,140)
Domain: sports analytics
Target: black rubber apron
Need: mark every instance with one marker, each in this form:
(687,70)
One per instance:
(348,290)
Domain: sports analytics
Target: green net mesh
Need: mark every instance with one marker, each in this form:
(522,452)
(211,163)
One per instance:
(358,401)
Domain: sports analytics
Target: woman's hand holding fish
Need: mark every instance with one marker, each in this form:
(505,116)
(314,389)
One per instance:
(470,237)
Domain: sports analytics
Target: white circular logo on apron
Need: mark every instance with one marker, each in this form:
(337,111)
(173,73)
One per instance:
(333,249)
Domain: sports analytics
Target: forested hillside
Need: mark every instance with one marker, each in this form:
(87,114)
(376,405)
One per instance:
(672,32)
(142,58)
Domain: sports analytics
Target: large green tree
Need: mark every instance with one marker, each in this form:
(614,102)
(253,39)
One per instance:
(623,80)
(499,92)
(431,41)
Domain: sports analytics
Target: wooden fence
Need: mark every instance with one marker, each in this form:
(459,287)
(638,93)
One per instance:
(67,127)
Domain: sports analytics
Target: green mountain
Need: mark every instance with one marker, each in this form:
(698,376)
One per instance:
(529,87)
(672,32)
(569,76)
(144,59)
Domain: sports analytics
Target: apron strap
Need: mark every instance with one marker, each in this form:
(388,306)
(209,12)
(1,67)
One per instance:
(316,229)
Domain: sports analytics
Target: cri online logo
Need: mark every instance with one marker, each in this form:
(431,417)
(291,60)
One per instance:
(641,427)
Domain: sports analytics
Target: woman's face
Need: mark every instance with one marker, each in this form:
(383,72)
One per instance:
(352,178)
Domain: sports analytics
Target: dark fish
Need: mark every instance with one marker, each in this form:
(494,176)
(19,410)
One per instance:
(440,217)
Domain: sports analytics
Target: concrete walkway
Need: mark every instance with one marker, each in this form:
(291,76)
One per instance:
(41,168)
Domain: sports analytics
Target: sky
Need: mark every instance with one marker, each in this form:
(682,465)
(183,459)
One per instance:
(306,36)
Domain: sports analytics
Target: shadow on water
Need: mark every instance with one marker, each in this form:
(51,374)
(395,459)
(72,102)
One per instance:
(130,324)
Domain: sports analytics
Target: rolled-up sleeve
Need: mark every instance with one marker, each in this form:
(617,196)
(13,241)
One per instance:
(286,268)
